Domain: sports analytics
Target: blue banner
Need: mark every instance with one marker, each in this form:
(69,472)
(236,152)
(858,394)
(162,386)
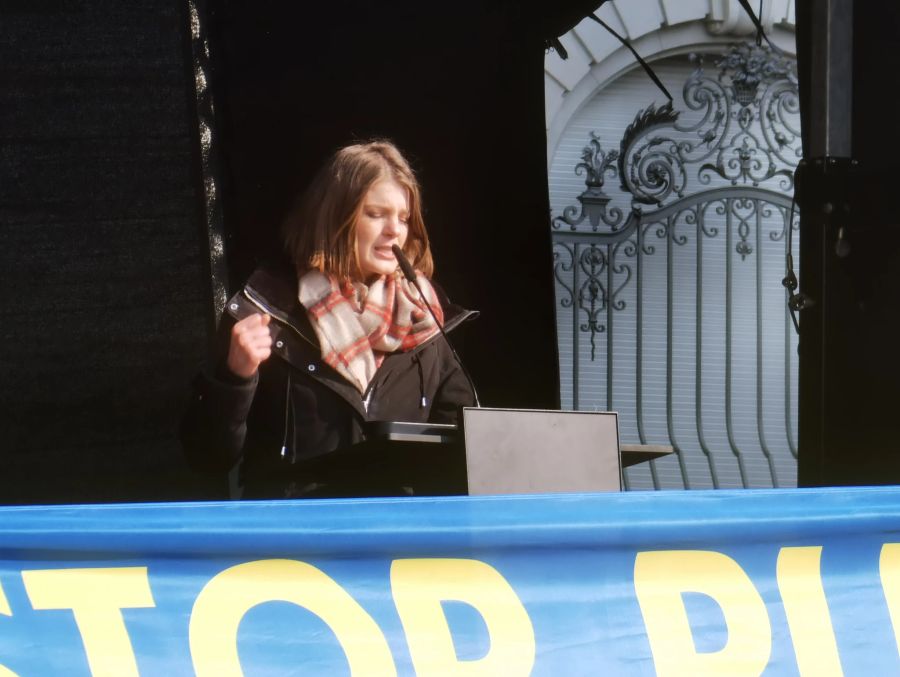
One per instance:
(691,583)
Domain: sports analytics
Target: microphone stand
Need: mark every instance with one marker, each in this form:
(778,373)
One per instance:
(410,274)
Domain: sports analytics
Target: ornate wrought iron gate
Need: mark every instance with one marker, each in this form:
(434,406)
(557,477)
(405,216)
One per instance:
(669,297)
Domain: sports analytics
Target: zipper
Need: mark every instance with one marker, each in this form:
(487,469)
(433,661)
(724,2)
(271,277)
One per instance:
(287,418)
(368,397)
(423,401)
(257,301)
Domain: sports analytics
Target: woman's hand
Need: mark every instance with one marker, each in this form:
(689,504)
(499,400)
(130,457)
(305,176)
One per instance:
(251,344)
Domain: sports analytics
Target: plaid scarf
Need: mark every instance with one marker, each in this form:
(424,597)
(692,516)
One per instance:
(357,325)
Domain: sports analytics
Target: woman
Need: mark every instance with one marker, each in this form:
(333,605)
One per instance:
(341,338)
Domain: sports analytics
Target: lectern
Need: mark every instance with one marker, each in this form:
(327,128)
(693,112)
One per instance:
(494,451)
(518,451)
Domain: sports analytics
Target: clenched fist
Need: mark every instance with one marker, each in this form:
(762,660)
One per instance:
(251,344)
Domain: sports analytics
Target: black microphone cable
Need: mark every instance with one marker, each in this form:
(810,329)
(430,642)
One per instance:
(410,275)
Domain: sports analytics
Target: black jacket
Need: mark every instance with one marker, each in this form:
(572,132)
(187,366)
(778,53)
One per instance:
(297,408)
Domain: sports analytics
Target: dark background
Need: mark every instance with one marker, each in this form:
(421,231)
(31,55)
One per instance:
(101,318)
(460,91)
(106,303)
(849,340)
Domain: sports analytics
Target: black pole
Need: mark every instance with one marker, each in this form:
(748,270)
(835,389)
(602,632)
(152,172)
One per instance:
(825,37)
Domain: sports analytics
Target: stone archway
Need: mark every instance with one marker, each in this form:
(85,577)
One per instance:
(656,29)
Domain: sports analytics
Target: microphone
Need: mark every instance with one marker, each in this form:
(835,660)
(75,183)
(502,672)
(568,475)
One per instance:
(410,274)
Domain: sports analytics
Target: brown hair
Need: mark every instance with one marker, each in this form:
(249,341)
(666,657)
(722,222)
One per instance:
(321,232)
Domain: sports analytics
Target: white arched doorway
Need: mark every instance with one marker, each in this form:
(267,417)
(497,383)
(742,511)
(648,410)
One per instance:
(670,234)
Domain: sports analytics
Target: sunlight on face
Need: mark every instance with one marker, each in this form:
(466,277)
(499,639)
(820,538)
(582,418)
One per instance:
(383,221)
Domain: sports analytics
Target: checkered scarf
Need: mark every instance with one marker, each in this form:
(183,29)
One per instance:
(357,325)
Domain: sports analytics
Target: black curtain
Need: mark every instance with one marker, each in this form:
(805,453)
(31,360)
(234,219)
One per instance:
(103,296)
(460,89)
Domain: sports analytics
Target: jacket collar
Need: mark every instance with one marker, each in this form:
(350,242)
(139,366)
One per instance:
(274,291)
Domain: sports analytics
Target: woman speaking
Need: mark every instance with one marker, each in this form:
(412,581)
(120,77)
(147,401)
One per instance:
(313,351)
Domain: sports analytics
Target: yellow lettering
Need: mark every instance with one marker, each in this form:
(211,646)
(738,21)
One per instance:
(4,603)
(419,586)
(800,584)
(661,577)
(6,611)
(96,598)
(889,570)
(222,603)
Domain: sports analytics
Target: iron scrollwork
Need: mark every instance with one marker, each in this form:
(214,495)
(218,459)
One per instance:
(758,93)
(652,167)
(595,163)
(743,130)
(592,296)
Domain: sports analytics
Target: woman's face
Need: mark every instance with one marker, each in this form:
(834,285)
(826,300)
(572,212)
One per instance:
(383,221)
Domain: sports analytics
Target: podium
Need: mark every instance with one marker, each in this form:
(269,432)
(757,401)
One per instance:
(493,451)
